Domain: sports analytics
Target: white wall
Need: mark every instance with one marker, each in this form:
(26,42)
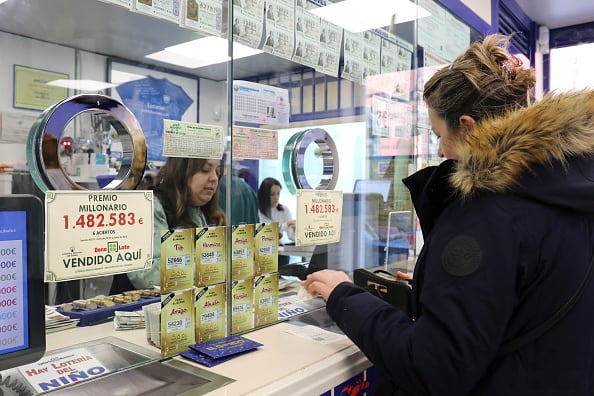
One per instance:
(480,7)
(211,100)
(21,51)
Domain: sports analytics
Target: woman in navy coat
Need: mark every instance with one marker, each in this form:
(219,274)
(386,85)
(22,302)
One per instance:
(508,226)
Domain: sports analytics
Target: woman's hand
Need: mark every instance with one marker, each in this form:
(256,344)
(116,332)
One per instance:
(323,282)
(404,275)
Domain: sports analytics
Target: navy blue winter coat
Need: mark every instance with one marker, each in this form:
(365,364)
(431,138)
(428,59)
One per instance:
(508,237)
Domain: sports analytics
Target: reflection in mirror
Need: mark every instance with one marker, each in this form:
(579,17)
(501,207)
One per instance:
(78,133)
(90,149)
(313,166)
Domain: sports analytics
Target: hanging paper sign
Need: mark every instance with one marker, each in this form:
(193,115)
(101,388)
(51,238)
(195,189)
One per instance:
(319,214)
(186,139)
(94,233)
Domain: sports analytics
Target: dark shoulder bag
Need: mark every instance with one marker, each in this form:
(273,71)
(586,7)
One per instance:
(539,330)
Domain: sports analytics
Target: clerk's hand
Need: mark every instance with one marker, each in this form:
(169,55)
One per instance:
(323,282)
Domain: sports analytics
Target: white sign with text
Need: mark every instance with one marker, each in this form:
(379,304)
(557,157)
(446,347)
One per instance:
(95,233)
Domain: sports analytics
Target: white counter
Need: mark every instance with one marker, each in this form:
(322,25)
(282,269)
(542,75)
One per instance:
(286,364)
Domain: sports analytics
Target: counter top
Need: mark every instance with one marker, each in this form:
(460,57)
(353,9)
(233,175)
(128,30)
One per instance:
(285,364)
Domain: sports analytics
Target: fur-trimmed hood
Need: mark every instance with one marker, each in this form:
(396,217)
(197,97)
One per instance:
(498,153)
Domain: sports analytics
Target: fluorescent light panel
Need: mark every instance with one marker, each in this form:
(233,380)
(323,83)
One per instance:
(82,85)
(201,52)
(361,15)
(120,77)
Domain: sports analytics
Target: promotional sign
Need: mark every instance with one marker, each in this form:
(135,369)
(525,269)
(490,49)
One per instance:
(95,233)
(187,139)
(260,104)
(255,143)
(66,368)
(319,215)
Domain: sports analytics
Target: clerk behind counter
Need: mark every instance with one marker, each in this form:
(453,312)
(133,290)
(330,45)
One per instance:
(186,195)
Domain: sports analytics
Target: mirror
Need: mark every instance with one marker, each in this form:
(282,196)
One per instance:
(85,137)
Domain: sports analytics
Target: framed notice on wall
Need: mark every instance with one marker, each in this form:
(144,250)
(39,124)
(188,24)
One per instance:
(32,90)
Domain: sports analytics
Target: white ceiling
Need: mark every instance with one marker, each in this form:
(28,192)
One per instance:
(107,29)
(558,13)
(111,30)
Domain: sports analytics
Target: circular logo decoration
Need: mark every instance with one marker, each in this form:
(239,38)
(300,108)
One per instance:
(462,256)
(294,160)
(47,135)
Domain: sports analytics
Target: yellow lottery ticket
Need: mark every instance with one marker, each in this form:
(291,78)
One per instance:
(211,313)
(242,314)
(177,321)
(211,263)
(177,259)
(242,251)
(266,242)
(266,299)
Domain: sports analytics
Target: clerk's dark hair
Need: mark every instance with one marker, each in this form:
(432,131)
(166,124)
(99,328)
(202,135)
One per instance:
(485,81)
(171,187)
(264,195)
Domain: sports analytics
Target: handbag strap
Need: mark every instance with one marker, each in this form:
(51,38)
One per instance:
(536,332)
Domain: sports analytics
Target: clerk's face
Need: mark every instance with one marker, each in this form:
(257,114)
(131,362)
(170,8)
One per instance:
(274,196)
(203,184)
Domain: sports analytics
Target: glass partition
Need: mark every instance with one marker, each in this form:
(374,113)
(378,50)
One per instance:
(272,74)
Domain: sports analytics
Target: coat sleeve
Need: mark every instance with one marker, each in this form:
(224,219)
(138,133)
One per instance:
(466,295)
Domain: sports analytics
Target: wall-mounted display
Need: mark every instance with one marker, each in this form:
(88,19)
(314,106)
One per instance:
(32,88)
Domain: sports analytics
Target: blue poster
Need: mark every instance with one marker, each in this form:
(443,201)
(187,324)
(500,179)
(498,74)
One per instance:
(152,100)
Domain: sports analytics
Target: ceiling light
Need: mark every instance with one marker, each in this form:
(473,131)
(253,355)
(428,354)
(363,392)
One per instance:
(120,77)
(173,58)
(82,85)
(202,52)
(361,15)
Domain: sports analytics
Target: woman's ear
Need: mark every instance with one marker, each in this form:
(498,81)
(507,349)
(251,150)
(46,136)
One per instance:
(466,121)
